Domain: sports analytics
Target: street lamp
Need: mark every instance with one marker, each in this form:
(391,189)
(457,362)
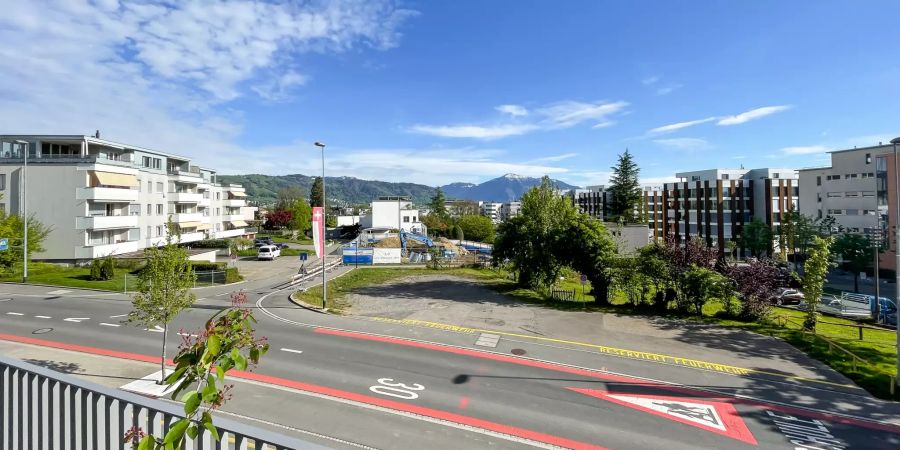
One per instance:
(24,144)
(324,286)
(895,142)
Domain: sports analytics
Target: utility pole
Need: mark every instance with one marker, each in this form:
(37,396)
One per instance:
(25,146)
(895,142)
(324,215)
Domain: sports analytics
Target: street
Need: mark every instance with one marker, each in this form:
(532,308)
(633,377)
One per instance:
(410,386)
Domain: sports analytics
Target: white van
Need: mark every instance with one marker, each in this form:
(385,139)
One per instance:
(269,252)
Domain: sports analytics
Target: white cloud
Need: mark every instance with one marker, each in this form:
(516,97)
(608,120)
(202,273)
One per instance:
(804,150)
(558,115)
(684,143)
(160,75)
(677,126)
(665,90)
(650,80)
(473,131)
(751,115)
(554,157)
(513,110)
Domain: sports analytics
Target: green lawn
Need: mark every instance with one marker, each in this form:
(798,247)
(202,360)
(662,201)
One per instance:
(77,277)
(280,238)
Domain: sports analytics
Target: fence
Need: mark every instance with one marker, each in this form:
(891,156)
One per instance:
(562,295)
(47,409)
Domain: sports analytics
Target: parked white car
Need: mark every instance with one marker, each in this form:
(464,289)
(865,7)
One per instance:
(268,252)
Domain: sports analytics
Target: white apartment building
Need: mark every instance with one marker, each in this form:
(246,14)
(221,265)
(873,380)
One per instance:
(105,198)
(510,210)
(394,212)
(846,190)
(493,210)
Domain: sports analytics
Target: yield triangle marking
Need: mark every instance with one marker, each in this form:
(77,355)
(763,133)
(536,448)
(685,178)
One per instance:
(715,417)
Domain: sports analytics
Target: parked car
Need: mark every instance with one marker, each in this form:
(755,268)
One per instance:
(259,242)
(269,252)
(786,296)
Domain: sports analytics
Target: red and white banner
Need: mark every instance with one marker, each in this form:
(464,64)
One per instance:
(318,230)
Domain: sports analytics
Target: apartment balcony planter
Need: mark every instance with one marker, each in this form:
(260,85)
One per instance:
(185,197)
(234,202)
(230,233)
(103,250)
(105,222)
(187,217)
(107,194)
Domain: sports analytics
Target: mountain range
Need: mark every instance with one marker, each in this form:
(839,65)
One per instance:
(353,191)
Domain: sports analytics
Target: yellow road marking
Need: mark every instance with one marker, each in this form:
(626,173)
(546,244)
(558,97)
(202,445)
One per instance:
(620,352)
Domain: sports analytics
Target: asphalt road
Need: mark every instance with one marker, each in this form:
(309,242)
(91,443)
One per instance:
(525,393)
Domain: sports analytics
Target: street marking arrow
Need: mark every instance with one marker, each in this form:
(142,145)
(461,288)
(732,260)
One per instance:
(716,417)
(76,319)
(155,329)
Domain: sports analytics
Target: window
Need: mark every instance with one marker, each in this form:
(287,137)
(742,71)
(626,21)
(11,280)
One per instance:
(854,230)
(159,209)
(846,176)
(868,193)
(851,212)
(149,187)
(218,211)
(820,213)
(149,209)
(159,187)
(835,194)
(145,161)
(819,198)
(868,158)
(405,219)
(2,181)
(724,176)
(218,195)
(134,234)
(159,230)
(134,209)
(157,163)
(818,180)
(775,175)
(851,194)
(853,175)
(149,235)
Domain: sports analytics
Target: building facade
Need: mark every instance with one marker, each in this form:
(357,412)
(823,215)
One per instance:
(394,212)
(105,198)
(493,210)
(846,190)
(714,205)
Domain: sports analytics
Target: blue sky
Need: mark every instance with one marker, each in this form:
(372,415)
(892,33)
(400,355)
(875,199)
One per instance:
(436,92)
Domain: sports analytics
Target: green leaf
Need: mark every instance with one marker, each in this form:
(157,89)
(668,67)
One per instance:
(240,362)
(210,393)
(254,355)
(191,402)
(192,431)
(147,443)
(220,372)
(174,376)
(176,433)
(206,421)
(214,343)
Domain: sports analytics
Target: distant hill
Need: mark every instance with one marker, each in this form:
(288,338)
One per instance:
(346,190)
(509,187)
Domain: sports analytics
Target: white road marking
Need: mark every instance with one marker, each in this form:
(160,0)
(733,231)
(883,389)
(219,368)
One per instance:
(15,314)
(155,329)
(43,317)
(120,315)
(109,324)
(76,319)
(59,292)
(488,340)
(224,293)
(187,334)
(388,387)
(291,350)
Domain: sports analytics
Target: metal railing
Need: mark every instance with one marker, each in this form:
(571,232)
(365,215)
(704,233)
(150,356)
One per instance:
(47,409)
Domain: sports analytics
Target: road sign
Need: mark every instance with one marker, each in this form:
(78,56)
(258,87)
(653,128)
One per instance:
(303,256)
(583,279)
(4,244)
(715,417)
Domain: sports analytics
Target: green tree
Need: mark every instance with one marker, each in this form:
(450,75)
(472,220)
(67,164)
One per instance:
(701,285)
(814,278)
(756,237)
(316,193)
(301,216)
(226,342)
(625,190)
(11,227)
(856,250)
(653,266)
(586,246)
(163,288)
(437,205)
(477,228)
(288,196)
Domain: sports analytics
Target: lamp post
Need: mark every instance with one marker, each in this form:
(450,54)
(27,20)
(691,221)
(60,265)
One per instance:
(324,286)
(895,142)
(24,144)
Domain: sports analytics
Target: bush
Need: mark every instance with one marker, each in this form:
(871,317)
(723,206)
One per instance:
(130,265)
(232,275)
(95,270)
(103,269)
(207,267)
(210,243)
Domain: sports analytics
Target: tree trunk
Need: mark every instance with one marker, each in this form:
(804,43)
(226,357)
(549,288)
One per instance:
(856,282)
(162,361)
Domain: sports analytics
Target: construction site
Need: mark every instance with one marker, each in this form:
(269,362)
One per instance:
(378,246)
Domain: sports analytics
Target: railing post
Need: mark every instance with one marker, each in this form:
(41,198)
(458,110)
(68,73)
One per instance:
(860,333)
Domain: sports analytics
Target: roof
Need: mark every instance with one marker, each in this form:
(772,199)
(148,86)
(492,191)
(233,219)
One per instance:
(885,147)
(91,139)
(814,168)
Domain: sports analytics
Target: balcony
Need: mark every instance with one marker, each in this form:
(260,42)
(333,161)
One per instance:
(204,200)
(179,176)
(192,237)
(233,218)
(185,197)
(187,217)
(103,250)
(234,202)
(105,222)
(106,194)
(229,233)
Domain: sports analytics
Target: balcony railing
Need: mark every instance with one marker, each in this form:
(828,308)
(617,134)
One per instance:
(48,409)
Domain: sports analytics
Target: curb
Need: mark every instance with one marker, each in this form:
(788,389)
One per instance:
(305,305)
